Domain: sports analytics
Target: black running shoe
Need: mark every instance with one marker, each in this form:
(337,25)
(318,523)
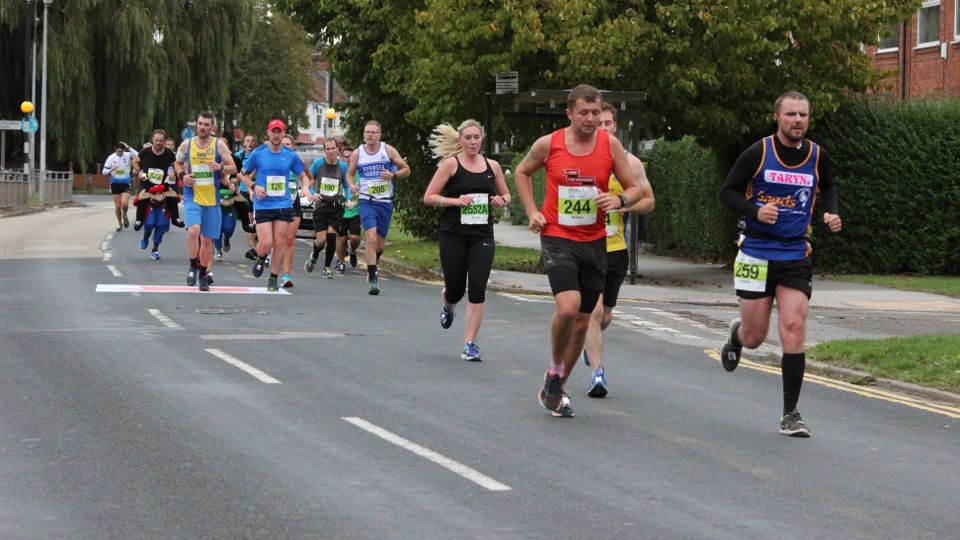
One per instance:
(203,283)
(353,259)
(251,254)
(137,225)
(551,395)
(126,222)
(209,278)
(177,222)
(730,354)
(446,317)
(792,425)
(564,410)
(226,244)
(257,269)
(272,284)
(192,276)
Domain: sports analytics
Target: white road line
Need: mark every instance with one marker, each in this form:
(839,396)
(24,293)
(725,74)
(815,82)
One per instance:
(445,462)
(104,246)
(164,319)
(107,256)
(262,337)
(256,373)
(113,270)
(55,248)
(522,298)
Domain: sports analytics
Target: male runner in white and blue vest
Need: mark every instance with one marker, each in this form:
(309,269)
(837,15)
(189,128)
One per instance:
(378,165)
(774,183)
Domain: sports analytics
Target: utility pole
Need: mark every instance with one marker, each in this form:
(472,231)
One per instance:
(27,74)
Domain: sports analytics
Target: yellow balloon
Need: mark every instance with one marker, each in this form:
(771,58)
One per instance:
(330,113)
(26,107)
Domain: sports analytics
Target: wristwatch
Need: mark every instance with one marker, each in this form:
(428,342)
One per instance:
(623,201)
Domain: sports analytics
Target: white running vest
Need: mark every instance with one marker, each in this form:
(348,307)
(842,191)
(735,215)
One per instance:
(369,166)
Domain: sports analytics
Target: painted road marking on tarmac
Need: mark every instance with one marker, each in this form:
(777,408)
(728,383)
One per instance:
(528,298)
(127,288)
(256,373)
(107,256)
(164,319)
(280,335)
(113,270)
(445,462)
(929,406)
(55,248)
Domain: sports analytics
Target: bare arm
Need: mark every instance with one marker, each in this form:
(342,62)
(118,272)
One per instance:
(533,162)
(646,203)
(352,171)
(503,197)
(227,165)
(432,197)
(403,170)
(625,175)
(179,165)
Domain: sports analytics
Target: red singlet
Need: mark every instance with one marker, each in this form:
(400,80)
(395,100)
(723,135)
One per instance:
(572,183)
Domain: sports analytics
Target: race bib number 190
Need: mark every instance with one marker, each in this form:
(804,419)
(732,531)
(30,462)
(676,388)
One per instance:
(749,273)
(575,205)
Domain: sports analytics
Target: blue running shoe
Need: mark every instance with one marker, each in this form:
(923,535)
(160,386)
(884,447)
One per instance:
(446,317)
(471,352)
(598,384)
(155,255)
(143,243)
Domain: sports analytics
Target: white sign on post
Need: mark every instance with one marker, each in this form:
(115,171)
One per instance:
(508,82)
(10,125)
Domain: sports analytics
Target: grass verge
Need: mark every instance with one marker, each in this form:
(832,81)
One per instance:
(932,361)
(425,254)
(948,285)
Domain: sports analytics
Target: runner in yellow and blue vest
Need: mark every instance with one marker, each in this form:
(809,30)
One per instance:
(774,183)
(201,160)
(617,261)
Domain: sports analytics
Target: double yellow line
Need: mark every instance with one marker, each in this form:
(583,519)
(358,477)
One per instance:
(945,410)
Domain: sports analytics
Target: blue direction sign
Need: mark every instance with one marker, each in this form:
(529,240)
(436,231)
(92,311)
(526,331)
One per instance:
(29,125)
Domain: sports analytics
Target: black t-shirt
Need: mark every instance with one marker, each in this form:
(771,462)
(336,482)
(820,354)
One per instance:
(735,185)
(156,167)
(457,219)
(330,172)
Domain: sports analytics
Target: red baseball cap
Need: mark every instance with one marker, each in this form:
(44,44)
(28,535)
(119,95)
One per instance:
(276,124)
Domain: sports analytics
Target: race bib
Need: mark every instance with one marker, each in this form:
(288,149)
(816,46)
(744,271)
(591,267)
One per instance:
(294,187)
(202,175)
(749,273)
(477,212)
(155,176)
(614,219)
(378,189)
(329,187)
(120,172)
(276,186)
(575,205)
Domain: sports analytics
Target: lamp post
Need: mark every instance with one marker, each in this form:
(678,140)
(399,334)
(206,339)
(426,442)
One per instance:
(330,114)
(43,93)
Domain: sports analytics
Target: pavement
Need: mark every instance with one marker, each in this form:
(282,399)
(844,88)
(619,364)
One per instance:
(673,280)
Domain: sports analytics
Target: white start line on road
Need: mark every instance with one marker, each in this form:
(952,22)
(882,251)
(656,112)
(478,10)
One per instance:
(127,288)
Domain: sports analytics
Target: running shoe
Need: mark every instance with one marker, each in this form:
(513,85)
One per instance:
(258,267)
(792,425)
(251,254)
(598,384)
(119,228)
(177,222)
(204,283)
(209,278)
(471,352)
(126,222)
(192,276)
(730,355)
(272,284)
(143,243)
(586,359)
(341,267)
(335,262)
(309,265)
(327,273)
(219,255)
(552,392)
(372,287)
(285,281)
(353,259)
(446,317)
(564,410)
(226,244)
(155,255)
(137,225)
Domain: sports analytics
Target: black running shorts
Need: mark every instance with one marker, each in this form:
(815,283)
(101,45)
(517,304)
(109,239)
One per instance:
(119,188)
(617,264)
(575,266)
(796,274)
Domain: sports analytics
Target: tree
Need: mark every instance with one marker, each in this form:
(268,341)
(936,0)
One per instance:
(117,69)
(710,69)
(273,79)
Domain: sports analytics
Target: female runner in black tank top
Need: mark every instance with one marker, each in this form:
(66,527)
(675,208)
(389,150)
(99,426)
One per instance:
(466,185)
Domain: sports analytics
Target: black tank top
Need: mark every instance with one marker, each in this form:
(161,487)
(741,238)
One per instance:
(456,219)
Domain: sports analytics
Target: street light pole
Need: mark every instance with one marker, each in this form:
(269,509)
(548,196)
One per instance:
(43,94)
(27,75)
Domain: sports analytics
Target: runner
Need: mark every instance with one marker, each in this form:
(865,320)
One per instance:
(266,174)
(291,236)
(153,167)
(465,185)
(348,237)
(328,206)
(117,165)
(228,214)
(244,208)
(578,160)
(781,175)
(201,160)
(617,261)
(379,165)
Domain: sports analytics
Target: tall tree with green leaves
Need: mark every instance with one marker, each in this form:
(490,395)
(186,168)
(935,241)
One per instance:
(117,69)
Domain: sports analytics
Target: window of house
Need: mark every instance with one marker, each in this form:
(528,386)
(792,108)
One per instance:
(928,23)
(890,39)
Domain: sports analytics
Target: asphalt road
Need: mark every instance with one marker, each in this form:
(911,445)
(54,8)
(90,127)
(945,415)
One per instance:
(328,413)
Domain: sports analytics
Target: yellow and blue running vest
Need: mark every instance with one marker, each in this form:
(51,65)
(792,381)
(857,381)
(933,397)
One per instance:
(615,239)
(206,182)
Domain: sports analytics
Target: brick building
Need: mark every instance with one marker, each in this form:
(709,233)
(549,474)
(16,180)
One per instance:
(924,51)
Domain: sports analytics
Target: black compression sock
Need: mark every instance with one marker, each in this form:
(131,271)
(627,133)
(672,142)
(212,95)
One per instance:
(735,338)
(793,366)
(273,276)
(331,249)
(316,251)
(371,271)
(195,263)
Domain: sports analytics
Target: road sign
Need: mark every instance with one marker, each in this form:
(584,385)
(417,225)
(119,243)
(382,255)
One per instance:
(29,125)
(10,125)
(508,82)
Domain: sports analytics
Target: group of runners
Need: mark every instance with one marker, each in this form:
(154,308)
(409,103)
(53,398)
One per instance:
(592,185)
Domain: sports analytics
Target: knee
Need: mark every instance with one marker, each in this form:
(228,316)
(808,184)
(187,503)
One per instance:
(791,333)
(569,312)
(751,338)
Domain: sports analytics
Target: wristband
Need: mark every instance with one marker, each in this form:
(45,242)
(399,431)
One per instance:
(623,201)
(441,201)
